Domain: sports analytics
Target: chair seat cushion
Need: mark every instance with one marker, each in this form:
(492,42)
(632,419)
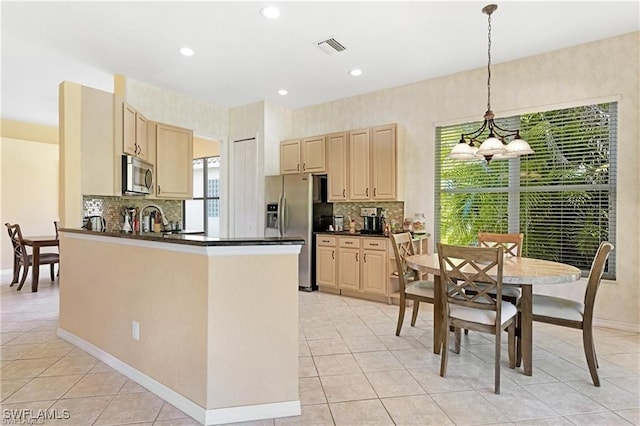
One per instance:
(420,288)
(557,307)
(513,292)
(46,258)
(482,316)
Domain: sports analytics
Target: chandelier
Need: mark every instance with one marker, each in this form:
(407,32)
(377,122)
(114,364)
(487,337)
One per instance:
(496,146)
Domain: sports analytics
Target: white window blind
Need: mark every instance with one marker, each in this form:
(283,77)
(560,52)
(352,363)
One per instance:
(562,197)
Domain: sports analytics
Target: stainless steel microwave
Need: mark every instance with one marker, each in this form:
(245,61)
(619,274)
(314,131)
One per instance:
(137,176)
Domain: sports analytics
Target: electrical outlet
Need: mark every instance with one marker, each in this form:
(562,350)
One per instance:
(135,330)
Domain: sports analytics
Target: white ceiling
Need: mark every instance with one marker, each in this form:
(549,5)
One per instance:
(242,58)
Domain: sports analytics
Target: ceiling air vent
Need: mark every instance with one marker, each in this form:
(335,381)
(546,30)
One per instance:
(330,46)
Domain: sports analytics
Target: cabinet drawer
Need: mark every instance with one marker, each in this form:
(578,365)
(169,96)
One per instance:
(374,244)
(328,241)
(350,242)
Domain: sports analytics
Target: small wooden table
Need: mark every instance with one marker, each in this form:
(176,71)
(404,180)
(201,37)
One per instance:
(36,243)
(520,272)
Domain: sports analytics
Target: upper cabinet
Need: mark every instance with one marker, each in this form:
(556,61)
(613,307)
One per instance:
(337,172)
(290,157)
(303,156)
(174,160)
(359,165)
(134,136)
(314,155)
(373,163)
(384,162)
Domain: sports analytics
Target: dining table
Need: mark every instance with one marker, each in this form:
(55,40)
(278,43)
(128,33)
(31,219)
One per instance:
(36,243)
(523,272)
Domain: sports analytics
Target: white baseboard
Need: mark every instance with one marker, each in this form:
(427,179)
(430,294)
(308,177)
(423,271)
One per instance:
(617,325)
(205,417)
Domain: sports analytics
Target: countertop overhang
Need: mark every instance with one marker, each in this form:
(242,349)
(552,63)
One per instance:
(193,240)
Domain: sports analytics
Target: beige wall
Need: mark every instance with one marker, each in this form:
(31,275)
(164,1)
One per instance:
(209,329)
(99,300)
(604,70)
(29,190)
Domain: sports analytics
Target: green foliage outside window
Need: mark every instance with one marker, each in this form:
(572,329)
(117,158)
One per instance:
(562,197)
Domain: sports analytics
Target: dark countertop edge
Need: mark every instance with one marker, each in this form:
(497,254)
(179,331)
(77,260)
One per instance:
(193,240)
(358,234)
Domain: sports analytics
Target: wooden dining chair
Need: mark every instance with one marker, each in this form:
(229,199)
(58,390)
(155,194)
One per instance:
(411,287)
(572,314)
(469,268)
(55,225)
(24,260)
(512,246)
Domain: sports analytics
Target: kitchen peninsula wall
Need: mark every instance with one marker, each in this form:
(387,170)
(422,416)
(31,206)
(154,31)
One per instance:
(110,208)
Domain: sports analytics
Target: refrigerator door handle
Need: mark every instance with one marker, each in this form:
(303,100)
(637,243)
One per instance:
(281,213)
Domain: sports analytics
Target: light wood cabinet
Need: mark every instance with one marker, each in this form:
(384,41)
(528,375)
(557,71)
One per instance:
(303,156)
(326,262)
(134,136)
(373,164)
(384,162)
(337,172)
(349,263)
(359,161)
(174,161)
(364,266)
(375,260)
(290,157)
(314,155)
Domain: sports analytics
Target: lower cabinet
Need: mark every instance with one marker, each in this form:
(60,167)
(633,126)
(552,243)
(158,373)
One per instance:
(356,265)
(360,266)
(375,261)
(326,262)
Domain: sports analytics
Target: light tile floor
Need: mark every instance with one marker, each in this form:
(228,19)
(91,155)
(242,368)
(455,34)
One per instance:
(353,371)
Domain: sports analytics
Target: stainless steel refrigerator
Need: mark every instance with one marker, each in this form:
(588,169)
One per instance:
(296,207)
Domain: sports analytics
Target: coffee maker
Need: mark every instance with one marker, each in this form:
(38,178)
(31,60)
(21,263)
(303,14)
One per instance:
(373,220)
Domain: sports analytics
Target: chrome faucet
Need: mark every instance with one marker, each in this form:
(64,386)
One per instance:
(165,221)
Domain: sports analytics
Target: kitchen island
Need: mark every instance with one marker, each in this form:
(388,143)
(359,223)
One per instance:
(208,324)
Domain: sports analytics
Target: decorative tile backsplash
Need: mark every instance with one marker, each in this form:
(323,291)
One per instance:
(395,212)
(110,208)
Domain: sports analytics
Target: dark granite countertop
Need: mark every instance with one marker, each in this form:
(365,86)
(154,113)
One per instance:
(193,240)
(360,234)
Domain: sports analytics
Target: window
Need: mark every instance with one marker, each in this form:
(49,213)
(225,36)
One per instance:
(202,213)
(563,197)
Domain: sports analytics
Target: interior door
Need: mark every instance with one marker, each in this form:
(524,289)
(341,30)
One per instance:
(246,209)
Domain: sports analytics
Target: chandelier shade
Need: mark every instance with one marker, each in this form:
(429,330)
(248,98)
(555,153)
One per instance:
(497,145)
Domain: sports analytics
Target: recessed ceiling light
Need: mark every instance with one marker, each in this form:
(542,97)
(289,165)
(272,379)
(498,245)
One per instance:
(186,51)
(355,72)
(270,12)
(283,92)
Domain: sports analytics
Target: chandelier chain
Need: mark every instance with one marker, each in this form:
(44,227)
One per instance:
(489,65)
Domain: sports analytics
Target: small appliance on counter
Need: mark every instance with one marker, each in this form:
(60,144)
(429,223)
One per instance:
(338,223)
(95,223)
(373,219)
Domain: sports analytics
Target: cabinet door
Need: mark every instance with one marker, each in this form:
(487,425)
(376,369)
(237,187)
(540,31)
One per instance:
(290,157)
(326,267)
(374,271)
(359,175)
(383,162)
(337,167)
(349,269)
(313,155)
(129,130)
(141,137)
(174,159)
